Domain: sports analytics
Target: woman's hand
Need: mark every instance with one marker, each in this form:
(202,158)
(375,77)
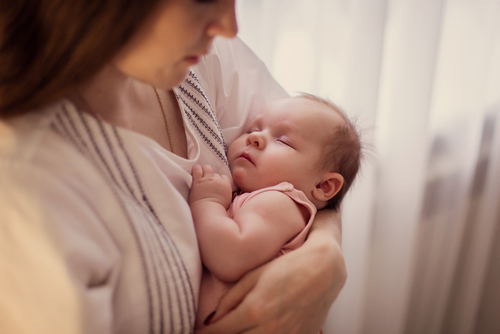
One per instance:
(291,294)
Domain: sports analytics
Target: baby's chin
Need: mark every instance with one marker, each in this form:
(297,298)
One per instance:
(243,186)
(240,180)
(246,185)
(248,181)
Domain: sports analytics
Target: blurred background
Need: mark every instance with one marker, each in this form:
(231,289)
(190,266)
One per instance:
(421,227)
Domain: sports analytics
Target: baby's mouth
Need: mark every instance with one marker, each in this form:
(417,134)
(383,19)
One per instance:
(246,157)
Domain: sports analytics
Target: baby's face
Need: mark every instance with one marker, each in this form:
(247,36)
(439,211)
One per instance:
(283,143)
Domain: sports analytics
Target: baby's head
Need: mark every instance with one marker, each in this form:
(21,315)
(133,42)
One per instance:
(304,140)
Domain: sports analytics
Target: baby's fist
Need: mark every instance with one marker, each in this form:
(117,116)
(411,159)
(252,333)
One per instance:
(208,185)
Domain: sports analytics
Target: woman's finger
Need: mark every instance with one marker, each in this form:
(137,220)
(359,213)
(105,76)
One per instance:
(236,321)
(236,294)
(236,313)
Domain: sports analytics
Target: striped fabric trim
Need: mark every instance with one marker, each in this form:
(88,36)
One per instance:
(200,113)
(171,300)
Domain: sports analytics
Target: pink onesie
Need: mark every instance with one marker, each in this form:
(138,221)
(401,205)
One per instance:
(211,287)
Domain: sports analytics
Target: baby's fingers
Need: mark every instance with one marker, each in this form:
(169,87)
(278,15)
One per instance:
(208,171)
(197,172)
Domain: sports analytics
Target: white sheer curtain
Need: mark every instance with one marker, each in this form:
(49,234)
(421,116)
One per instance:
(423,77)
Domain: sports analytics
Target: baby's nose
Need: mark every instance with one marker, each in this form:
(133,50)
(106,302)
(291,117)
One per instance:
(255,139)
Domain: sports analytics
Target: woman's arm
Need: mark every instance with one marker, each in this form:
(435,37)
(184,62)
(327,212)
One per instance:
(291,294)
(58,266)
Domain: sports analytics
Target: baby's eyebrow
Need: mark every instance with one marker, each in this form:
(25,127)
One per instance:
(258,118)
(256,121)
(288,126)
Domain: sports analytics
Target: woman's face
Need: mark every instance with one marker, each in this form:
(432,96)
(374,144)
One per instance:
(174,38)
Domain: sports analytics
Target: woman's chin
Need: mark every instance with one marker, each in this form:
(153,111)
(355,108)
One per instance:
(174,79)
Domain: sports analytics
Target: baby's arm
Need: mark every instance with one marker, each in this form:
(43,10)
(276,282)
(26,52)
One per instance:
(230,248)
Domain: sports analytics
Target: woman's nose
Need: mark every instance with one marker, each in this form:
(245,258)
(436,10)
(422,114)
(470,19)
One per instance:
(257,140)
(225,24)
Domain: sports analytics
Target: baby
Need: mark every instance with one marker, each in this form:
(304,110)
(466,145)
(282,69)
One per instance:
(299,155)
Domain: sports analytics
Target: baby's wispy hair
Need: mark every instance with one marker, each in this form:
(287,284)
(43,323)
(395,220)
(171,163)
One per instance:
(344,152)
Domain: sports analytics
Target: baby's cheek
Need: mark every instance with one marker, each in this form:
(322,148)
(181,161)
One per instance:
(241,179)
(238,175)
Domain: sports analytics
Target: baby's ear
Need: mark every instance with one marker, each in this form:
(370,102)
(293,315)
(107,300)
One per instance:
(328,187)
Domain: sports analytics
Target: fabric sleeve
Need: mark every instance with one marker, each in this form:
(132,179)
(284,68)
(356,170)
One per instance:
(58,265)
(237,83)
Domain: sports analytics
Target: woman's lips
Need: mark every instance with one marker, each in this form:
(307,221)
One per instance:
(193,60)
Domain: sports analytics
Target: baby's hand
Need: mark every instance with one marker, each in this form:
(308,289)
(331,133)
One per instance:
(211,186)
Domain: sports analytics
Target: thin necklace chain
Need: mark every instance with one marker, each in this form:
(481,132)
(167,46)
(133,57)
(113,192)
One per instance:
(165,119)
(98,115)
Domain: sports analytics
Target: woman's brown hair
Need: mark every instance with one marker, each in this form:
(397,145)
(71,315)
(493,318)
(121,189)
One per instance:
(48,47)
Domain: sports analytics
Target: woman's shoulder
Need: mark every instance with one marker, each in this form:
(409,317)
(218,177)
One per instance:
(21,136)
(47,182)
(30,137)
(43,145)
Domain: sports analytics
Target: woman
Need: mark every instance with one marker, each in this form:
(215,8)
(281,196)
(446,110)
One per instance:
(96,147)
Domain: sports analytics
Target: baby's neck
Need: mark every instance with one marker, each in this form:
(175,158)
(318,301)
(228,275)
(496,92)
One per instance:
(318,204)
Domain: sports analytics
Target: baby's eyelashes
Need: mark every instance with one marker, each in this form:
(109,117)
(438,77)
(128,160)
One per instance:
(253,130)
(284,141)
